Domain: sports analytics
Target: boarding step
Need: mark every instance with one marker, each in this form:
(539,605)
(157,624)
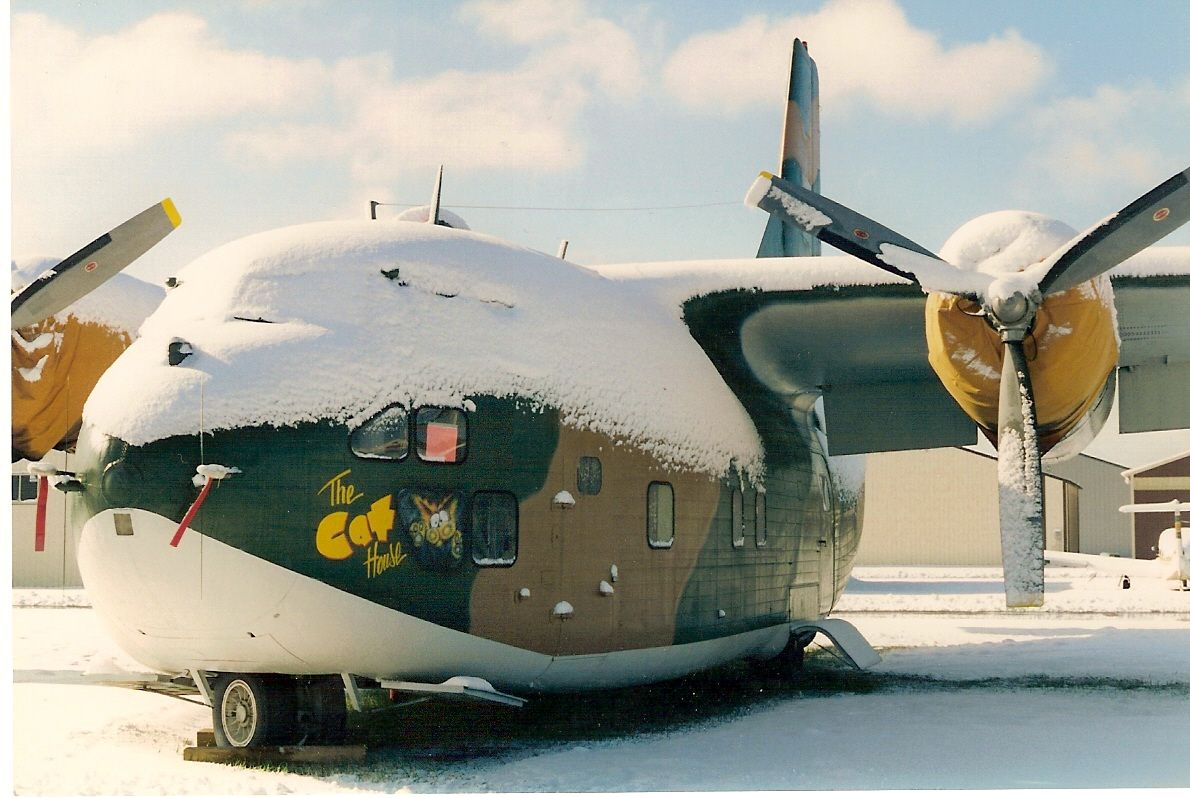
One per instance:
(855,650)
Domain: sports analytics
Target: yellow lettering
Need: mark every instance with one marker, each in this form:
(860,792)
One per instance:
(377,562)
(340,492)
(338,531)
(360,534)
(381,517)
(331,539)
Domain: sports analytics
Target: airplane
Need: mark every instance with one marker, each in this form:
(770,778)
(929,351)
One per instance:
(408,456)
(1173,549)
(70,321)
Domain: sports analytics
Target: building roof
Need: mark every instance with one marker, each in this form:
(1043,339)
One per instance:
(1127,475)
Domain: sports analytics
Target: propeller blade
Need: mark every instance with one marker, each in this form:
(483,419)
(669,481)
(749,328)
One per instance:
(1141,223)
(93,265)
(1022,534)
(860,236)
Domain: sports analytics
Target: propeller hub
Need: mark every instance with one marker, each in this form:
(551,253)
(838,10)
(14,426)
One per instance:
(1011,309)
(1011,304)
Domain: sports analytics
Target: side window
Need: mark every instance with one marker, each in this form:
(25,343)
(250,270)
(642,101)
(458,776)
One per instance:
(494,528)
(385,436)
(441,434)
(762,521)
(737,518)
(590,476)
(749,515)
(660,516)
(24,488)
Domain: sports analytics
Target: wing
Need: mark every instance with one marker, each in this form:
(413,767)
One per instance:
(785,331)
(861,348)
(1152,292)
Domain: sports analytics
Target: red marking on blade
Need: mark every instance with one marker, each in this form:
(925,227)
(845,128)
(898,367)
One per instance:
(862,235)
(1161,215)
(202,497)
(90,267)
(43,495)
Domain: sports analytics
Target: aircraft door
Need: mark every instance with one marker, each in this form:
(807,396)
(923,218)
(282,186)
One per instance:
(827,527)
(586,554)
(583,615)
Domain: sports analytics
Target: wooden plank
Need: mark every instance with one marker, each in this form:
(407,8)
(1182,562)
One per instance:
(205,738)
(278,755)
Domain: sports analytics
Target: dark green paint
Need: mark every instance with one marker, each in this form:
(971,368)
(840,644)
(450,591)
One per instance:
(272,510)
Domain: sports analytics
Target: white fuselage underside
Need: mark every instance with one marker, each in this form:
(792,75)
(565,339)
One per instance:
(206,605)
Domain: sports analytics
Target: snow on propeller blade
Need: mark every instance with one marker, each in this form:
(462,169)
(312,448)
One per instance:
(93,265)
(1010,303)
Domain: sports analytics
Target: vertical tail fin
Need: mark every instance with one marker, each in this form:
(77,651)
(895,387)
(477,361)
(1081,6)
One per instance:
(799,155)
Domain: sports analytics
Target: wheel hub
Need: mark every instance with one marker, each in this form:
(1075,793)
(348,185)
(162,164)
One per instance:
(239,714)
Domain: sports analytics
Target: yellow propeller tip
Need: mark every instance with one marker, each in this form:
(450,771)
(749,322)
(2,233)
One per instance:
(172,212)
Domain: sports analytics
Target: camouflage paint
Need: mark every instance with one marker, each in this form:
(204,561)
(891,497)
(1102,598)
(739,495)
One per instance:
(305,502)
(799,156)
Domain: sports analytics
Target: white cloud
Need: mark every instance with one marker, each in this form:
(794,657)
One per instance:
(75,95)
(79,96)
(868,53)
(519,118)
(1116,136)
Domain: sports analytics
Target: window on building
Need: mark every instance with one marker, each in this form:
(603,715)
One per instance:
(494,528)
(661,515)
(385,436)
(762,521)
(737,518)
(590,475)
(441,434)
(24,488)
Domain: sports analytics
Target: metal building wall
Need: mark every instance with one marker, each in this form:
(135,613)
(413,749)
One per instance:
(938,507)
(1103,529)
(57,566)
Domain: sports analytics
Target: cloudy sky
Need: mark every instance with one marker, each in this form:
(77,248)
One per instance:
(254,114)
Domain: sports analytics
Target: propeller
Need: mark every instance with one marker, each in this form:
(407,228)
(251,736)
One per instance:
(93,265)
(1010,303)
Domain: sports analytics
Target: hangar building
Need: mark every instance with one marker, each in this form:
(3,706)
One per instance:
(940,507)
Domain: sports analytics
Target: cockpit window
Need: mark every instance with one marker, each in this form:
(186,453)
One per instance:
(441,434)
(385,436)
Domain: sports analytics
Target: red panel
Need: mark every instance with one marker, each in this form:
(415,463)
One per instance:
(442,443)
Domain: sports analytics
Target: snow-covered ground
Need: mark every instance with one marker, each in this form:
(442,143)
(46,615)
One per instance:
(1091,691)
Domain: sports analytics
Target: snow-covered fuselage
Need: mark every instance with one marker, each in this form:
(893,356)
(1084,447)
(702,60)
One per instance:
(455,457)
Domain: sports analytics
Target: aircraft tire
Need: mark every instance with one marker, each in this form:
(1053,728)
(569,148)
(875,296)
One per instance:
(251,710)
